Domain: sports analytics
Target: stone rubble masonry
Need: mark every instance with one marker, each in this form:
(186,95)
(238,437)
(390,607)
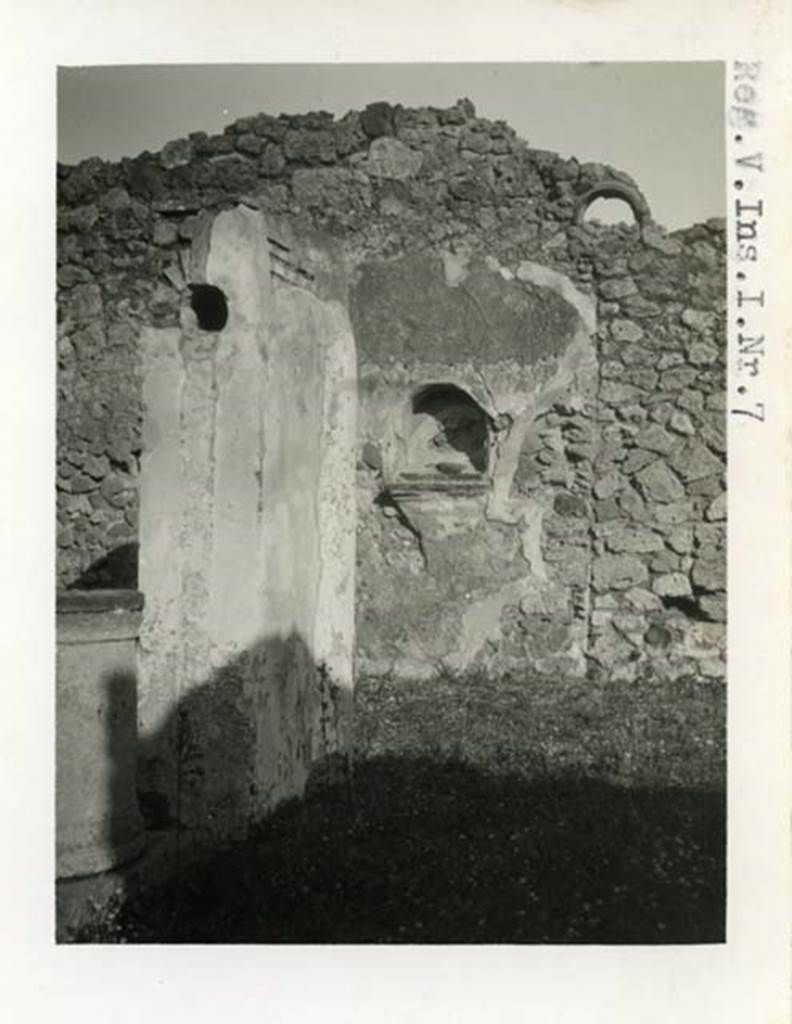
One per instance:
(633,440)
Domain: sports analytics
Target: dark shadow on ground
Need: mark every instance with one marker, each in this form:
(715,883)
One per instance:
(424,850)
(480,810)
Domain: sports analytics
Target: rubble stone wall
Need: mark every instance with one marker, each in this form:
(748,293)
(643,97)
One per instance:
(616,488)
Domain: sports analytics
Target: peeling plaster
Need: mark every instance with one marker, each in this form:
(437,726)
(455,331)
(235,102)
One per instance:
(247,538)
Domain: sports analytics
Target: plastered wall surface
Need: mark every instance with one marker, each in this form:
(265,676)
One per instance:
(241,674)
(450,560)
(593,358)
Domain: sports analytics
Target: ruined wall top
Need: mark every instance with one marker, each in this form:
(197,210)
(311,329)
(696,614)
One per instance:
(389,159)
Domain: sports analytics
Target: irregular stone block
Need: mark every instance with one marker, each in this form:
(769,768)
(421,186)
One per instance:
(666,561)
(717,509)
(698,320)
(636,460)
(708,486)
(570,505)
(607,510)
(633,540)
(165,233)
(681,423)
(642,378)
(672,584)
(701,354)
(656,439)
(328,188)
(618,572)
(390,158)
(617,394)
(632,504)
(80,483)
(609,484)
(668,359)
(677,378)
(694,461)
(637,355)
(85,302)
(572,567)
(96,466)
(626,330)
(615,288)
(612,370)
(377,119)
(658,635)
(476,141)
(372,456)
(309,147)
(658,483)
(637,305)
(82,219)
(656,239)
(713,606)
(680,539)
(249,144)
(272,162)
(642,599)
(176,153)
(709,575)
(709,534)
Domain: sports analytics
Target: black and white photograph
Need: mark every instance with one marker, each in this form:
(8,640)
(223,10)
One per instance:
(392,505)
(395,514)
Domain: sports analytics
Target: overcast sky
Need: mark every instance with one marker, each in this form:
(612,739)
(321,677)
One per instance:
(660,122)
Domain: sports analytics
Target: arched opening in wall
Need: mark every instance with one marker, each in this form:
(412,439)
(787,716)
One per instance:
(449,434)
(609,212)
(209,304)
(612,202)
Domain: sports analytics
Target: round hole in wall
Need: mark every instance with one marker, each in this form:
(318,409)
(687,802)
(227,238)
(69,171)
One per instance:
(209,304)
(622,194)
(609,211)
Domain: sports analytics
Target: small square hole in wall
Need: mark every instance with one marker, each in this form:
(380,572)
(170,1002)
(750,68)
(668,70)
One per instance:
(209,304)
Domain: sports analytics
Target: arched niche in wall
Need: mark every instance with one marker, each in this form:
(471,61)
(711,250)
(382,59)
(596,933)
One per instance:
(609,212)
(447,438)
(614,190)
